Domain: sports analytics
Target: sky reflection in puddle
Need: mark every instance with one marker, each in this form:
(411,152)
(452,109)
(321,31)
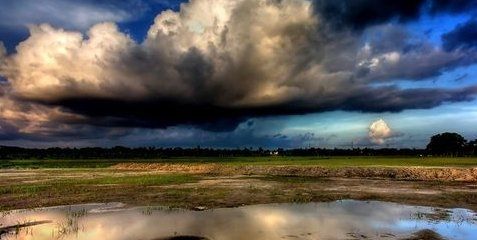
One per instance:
(347,219)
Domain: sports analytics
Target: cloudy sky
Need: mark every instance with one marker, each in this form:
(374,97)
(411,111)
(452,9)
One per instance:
(242,73)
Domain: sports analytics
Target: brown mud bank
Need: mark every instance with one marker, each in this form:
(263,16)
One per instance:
(397,173)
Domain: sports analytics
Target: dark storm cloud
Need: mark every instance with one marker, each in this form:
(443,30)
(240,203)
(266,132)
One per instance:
(216,69)
(8,132)
(463,37)
(453,6)
(34,122)
(362,13)
(392,99)
(359,14)
(391,52)
(55,133)
(155,113)
(162,114)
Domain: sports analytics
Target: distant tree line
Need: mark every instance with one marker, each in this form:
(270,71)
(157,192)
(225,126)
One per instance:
(445,144)
(152,152)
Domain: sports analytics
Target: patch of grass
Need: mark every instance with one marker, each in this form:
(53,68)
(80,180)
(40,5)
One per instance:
(28,189)
(74,185)
(301,197)
(332,162)
(144,180)
(35,164)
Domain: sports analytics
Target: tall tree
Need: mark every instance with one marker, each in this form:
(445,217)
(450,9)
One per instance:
(448,144)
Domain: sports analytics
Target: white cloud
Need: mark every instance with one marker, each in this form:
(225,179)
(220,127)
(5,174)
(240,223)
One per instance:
(251,48)
(379,131)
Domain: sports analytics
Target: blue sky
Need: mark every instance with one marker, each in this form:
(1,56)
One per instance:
(413,68)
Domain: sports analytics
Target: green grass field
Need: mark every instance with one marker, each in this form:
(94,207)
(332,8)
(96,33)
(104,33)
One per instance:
(240,161)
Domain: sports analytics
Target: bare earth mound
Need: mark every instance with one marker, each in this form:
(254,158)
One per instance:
(398,173)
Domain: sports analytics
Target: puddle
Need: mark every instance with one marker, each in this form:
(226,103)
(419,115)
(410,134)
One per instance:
(335,220)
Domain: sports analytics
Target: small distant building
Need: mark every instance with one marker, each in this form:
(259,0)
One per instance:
(274,153)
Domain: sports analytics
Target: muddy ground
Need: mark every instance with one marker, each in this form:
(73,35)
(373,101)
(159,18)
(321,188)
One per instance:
(202,186)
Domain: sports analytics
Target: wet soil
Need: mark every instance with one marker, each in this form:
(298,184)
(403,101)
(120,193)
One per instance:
(228,186)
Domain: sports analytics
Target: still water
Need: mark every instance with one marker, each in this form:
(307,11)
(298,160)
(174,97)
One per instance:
(347,219)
